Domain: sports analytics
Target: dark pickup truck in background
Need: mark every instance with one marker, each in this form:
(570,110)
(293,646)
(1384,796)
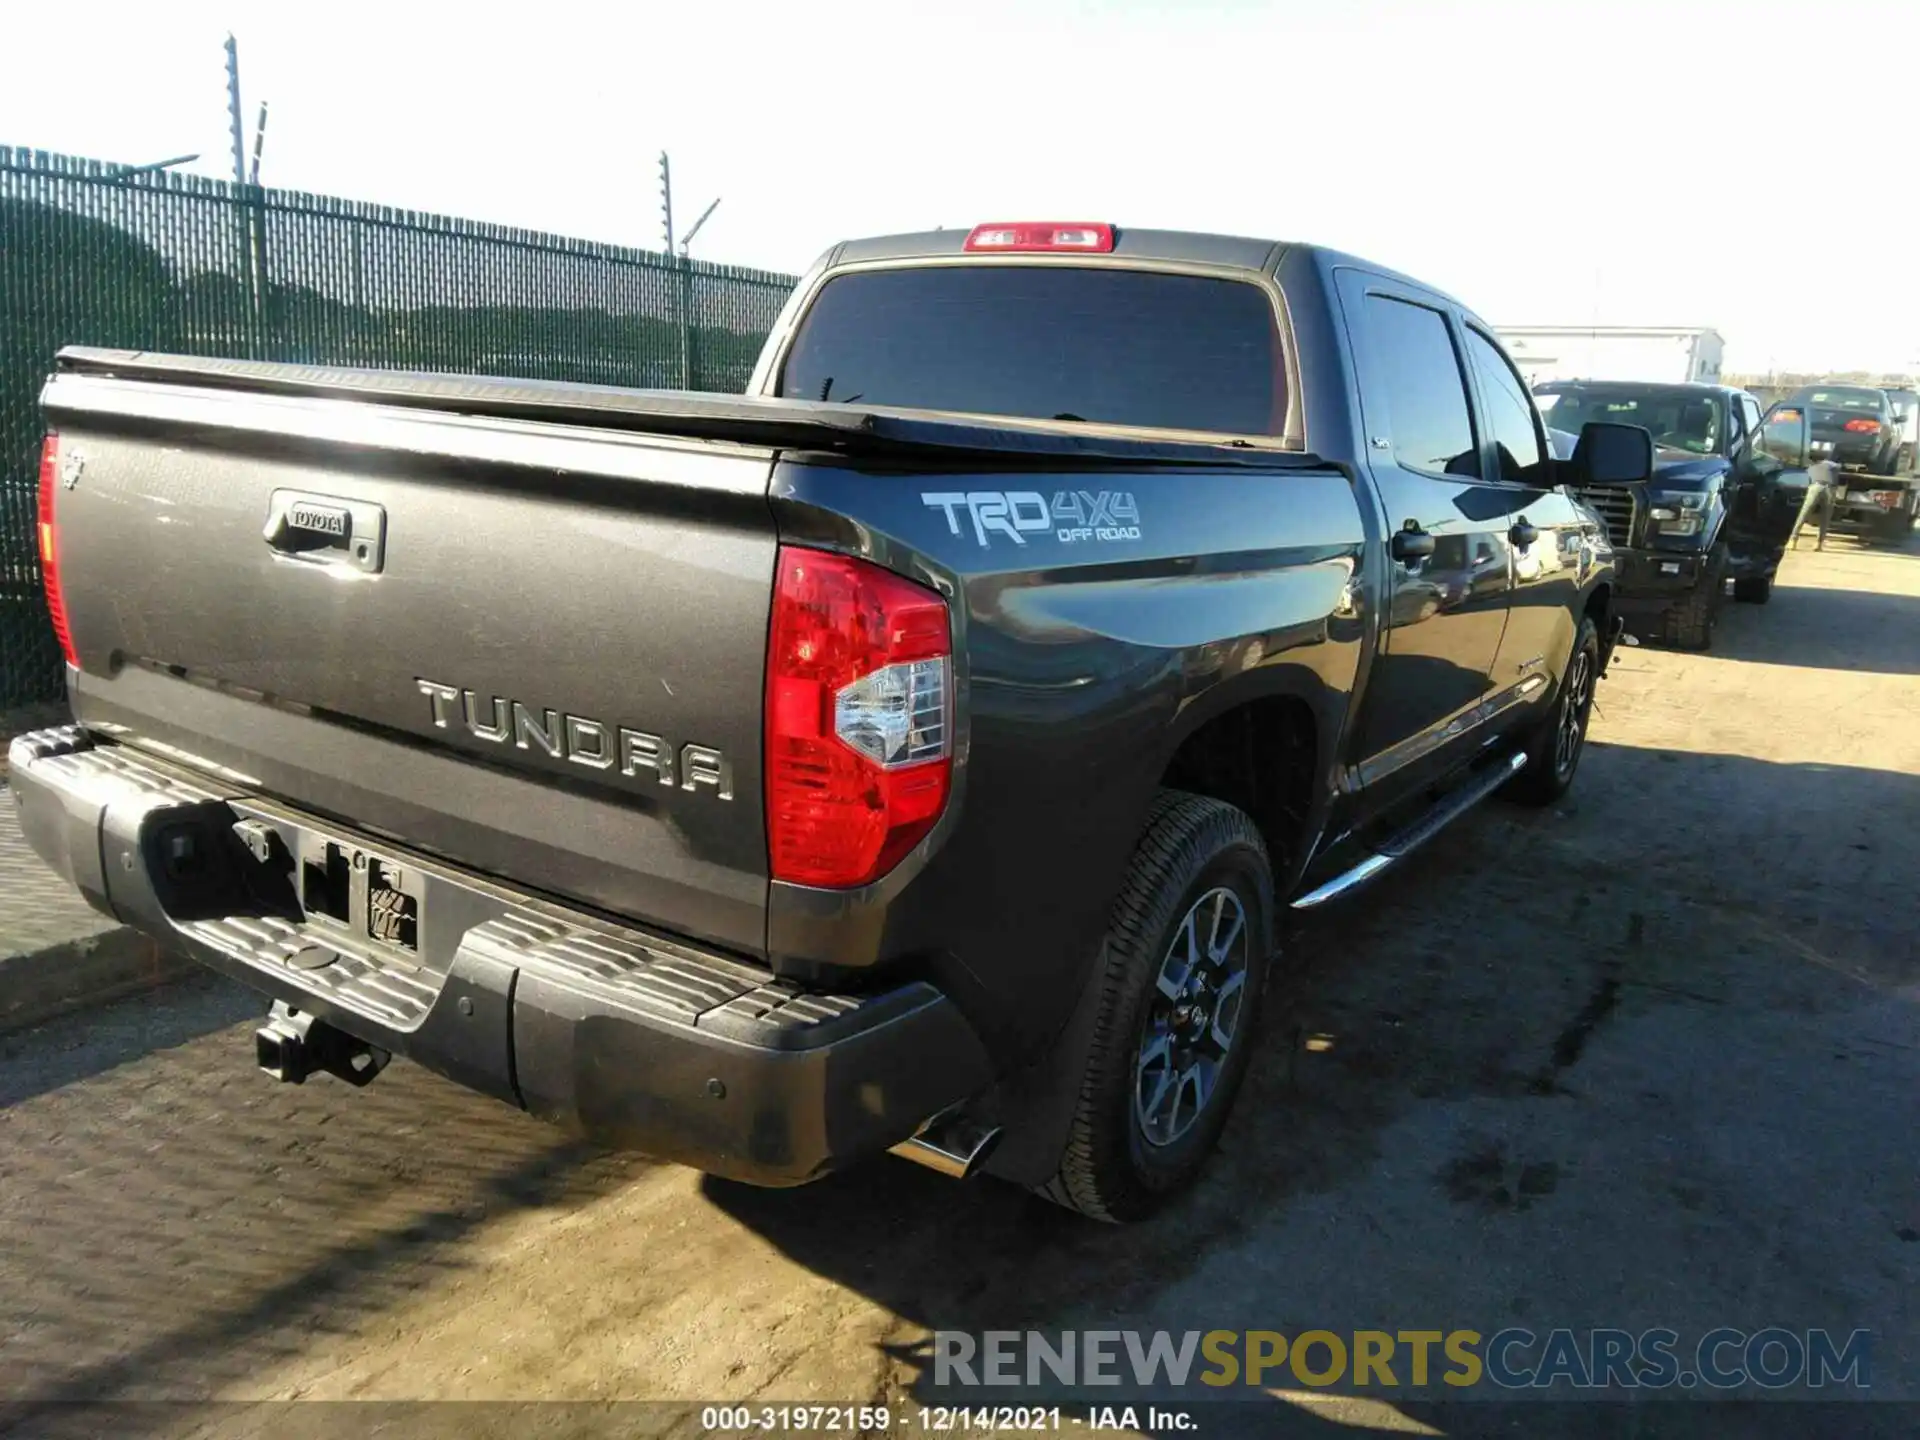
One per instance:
(1720,504)
(918,753)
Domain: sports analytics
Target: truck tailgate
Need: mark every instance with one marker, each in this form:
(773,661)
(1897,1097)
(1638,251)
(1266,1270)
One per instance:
(533,648)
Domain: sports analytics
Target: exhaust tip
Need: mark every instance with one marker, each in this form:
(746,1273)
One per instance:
(950,1144)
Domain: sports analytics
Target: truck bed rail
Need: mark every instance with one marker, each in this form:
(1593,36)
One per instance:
(747,420)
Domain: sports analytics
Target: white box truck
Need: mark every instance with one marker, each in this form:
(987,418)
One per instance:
(1666,354)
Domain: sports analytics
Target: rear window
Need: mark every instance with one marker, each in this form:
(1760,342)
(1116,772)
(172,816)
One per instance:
(1049,342)
(1847,399)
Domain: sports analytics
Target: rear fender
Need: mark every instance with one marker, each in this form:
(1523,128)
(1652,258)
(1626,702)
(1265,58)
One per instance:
(1304,679)
(1084,652)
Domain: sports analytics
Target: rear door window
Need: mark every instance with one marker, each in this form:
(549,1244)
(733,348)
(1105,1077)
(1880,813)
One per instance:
(1101,344)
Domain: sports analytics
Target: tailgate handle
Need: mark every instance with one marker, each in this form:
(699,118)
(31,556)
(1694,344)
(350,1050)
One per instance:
(327,530)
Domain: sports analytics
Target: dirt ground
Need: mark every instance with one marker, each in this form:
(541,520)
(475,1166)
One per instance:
(1647,1059)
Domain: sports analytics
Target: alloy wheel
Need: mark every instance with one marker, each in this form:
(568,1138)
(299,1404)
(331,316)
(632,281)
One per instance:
(1573,713)
(1194,1015)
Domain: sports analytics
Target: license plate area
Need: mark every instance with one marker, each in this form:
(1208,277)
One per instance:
(372,930)
(348,887)
(393,909)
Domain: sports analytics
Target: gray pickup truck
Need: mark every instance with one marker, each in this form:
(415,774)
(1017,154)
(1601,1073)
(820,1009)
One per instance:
(921,752)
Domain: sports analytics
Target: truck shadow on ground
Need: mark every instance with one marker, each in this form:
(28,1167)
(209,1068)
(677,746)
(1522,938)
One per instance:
(1824,629)
(179,1227)
(1486,973)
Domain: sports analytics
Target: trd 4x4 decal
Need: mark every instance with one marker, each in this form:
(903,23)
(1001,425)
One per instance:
(1073,515)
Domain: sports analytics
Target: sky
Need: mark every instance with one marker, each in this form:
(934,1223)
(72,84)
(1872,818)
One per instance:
(1554,162)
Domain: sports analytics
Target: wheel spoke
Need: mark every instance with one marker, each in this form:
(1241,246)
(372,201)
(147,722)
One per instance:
(1157,1060)
(1226,1010)
(1198,1079)
(1163,1086)
(1159,1051)
(1220,949)
(1174,1128)
(1173,982)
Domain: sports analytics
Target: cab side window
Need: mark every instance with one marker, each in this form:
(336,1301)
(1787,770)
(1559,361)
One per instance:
(1426,394)
(1509,411)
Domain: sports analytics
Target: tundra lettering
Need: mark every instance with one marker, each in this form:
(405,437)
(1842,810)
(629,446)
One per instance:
(581,740)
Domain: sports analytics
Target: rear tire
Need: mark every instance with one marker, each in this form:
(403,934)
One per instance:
(1175,1025)
(1753,589)
(1554,751)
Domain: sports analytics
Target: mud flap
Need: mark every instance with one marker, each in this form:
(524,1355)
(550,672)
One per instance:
(1036,1106)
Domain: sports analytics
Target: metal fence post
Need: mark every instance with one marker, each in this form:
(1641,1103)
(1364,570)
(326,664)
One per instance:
(686,323)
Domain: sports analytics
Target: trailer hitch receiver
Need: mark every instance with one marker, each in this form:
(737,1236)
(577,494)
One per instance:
(293,1045)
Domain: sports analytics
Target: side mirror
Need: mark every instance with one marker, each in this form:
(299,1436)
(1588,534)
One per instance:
(1784,435)
(1610,454)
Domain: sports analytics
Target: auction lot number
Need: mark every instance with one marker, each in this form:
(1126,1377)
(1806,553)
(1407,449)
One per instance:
(871,1419)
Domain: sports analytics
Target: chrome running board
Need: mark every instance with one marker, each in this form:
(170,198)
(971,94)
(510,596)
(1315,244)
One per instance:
(1402,844)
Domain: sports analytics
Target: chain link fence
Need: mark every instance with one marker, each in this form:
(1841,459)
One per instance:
(89,256)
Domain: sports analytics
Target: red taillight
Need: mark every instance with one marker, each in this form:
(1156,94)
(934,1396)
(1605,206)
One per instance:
(859,718)
(1042,235)
(50,546)
(1863,426)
